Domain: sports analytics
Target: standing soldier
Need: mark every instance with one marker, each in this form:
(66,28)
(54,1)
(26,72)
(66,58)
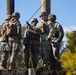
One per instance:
(32,46)
(56,39)
(4,41)
(14,38)
(47,29)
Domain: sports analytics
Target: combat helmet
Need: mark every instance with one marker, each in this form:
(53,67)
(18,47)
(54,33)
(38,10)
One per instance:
(51,17)
(43,13)
(16,14)
(8,17)
(34,19)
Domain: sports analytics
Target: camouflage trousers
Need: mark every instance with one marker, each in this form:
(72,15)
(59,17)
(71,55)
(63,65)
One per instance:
(5,54)
(47,53)
(56,48)
(31,56)
(14,50)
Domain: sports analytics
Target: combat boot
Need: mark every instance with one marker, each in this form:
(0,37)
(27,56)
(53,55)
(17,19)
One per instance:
(2,67)
(12,66)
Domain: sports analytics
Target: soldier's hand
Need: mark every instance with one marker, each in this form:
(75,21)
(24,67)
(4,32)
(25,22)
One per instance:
(48,39)
(27,23)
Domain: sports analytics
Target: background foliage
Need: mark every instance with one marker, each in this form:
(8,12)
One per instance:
(68,58)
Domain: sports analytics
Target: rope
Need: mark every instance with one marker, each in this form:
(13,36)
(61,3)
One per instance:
(36,11)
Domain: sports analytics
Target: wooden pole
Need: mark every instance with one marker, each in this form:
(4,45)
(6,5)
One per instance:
(9,7)
(12,6)
(46,6)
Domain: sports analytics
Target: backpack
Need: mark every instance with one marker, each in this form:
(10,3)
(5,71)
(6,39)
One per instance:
(12,29)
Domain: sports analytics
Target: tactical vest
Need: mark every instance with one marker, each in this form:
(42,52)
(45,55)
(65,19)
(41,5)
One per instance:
(44,28)
(33,38)
(12,28)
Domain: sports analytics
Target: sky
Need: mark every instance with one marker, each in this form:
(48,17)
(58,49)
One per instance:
(65,10)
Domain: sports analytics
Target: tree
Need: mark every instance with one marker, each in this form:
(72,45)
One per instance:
(20,61)
(68,58)
(23,30)
(71,42)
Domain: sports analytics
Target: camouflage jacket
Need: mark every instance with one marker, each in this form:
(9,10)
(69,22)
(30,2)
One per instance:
(32,35)
(4,27)
(18,36)
(4,31)
(58,33)
(46,31)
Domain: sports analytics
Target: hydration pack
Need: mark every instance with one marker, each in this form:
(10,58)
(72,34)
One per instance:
(12,29)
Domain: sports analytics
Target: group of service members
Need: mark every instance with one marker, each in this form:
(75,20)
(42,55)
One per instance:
(39,40)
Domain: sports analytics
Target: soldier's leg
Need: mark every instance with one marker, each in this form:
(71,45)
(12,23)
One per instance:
(4,56)
(48,56)
(52,60)
(42,51)
(8,48)
(4,59)
(26,57)
(14,54)
(35,55)
(45,56)
(57,49)
(56,55)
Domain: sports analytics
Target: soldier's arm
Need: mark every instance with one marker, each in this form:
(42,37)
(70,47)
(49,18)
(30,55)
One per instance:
(19,30)
(51,30)
(31,28)
(61,34)
(25,33)
(4,28)
(29,25)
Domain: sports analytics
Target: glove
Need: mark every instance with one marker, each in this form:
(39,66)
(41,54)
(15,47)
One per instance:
(27,23)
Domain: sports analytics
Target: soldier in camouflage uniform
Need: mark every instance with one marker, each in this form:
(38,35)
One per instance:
(56,39)
(14,38)
(32,45)
(4,42)
(47,30)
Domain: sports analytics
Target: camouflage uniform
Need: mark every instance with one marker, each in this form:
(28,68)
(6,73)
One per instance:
(47,29)
(4,42)
(14,39)
(56,39)
(32,45)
